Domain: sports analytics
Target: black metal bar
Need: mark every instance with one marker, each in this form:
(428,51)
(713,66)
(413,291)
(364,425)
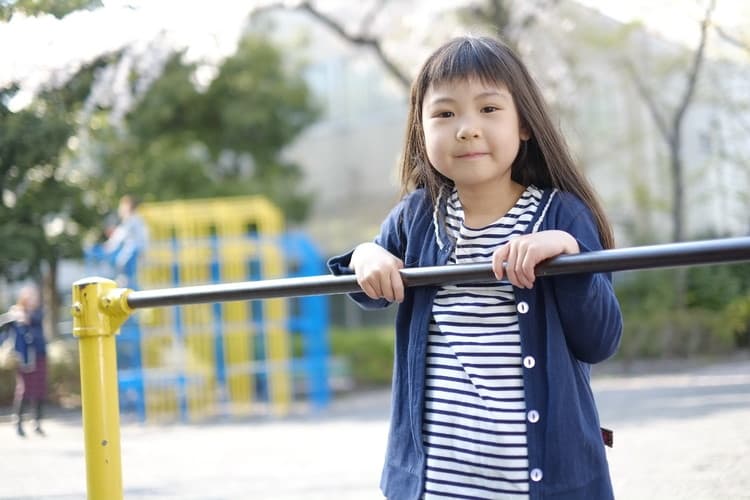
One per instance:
(622,259)
(690,253)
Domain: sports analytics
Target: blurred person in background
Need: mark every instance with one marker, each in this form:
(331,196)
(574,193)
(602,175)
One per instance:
(125,243)
(23,327)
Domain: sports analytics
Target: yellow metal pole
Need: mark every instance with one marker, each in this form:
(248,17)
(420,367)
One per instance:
(99,309)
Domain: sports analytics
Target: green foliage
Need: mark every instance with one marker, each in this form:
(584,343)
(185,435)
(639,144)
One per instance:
(642,292)
(737,315)
(715,287)
(182,141)
(58,8)
(43,209)
(675,334)
(369,352)
(715,319)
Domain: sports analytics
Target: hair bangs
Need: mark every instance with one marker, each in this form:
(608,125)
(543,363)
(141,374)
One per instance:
(468,58)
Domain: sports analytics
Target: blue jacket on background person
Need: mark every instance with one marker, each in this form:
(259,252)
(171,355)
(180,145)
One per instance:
(30,346)
(30,343)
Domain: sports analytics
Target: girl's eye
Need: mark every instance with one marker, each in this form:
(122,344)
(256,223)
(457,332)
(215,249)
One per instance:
(444,114)
(489,109)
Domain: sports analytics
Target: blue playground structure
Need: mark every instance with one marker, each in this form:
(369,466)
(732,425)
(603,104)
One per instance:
(193,362)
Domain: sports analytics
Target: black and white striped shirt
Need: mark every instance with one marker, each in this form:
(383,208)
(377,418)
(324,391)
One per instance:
(474,427)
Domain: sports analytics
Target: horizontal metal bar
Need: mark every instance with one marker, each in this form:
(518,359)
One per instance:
(622,259)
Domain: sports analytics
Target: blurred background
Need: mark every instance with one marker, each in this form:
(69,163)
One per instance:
(262,137)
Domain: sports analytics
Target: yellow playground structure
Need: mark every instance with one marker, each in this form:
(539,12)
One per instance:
(203,360)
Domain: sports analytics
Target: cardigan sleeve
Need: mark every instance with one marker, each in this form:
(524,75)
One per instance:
(392,238)
(587,304)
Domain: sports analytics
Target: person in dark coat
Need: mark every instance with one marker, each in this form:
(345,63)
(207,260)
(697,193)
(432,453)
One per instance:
(25,327)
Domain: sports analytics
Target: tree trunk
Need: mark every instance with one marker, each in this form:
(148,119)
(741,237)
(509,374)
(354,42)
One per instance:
(51,300)
(678,190)
(678,212)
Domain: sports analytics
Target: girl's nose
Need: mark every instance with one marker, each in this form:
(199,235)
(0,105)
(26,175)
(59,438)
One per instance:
(467,131)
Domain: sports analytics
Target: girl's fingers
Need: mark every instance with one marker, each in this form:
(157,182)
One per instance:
(377,272)
(528,272)
(370,283)
(369,289)
(521,263)
(523,253)
(498,261)
(386,285)
(397,286)
(511,268)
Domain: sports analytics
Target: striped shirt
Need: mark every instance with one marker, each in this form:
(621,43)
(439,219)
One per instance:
(474,427)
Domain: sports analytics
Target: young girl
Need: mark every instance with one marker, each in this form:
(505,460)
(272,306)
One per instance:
(491,395)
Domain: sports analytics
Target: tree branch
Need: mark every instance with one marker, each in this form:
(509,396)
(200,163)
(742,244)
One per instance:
(696,66)
(732,39)
(362,40)
(648,98)
(369,18)
(336,27)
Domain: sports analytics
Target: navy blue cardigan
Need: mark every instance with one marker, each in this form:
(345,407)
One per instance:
(567,323)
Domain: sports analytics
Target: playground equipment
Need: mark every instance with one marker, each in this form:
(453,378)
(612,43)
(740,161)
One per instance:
(100,309)
(191,363)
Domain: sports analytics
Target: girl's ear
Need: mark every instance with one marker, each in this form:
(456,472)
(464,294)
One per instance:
(524,133)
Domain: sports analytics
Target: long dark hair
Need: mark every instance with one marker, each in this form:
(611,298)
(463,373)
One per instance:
(543,160)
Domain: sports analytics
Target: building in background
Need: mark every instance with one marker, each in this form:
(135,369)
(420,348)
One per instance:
(350,157)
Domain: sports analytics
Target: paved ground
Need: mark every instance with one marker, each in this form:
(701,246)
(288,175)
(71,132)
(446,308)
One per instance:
(680,433)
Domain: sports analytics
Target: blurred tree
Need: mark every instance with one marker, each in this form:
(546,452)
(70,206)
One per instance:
(58,8)
(733,39)
(670,122)
(496,14)
(44,212)
(186,140)
(361,37)
(500,16)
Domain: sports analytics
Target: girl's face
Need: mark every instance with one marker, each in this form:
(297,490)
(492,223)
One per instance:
(472,132)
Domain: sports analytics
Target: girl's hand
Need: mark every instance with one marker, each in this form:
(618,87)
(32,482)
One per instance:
(523,253)
(377,272)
